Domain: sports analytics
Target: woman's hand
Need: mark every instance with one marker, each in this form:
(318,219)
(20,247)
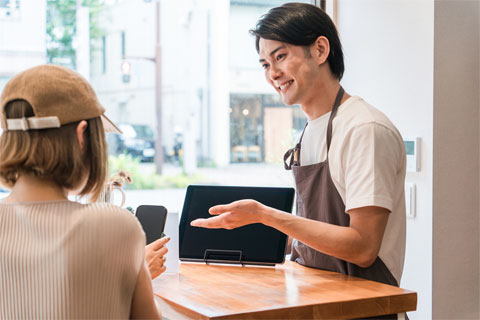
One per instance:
(155,256)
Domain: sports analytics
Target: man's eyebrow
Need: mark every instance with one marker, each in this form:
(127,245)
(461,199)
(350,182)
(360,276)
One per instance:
(273,52)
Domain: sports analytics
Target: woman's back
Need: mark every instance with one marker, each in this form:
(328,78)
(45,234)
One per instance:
(62,259)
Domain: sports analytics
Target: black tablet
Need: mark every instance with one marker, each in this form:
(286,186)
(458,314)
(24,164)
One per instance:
(251,244)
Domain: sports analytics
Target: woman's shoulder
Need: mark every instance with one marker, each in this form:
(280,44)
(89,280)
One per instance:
(97,213)
(104,208)
(96,219)
(109,215)
(113,223)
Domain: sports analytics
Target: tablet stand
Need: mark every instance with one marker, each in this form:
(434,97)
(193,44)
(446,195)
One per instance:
(223,256)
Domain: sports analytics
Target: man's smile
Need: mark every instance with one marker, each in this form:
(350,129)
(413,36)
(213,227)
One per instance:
(285,85)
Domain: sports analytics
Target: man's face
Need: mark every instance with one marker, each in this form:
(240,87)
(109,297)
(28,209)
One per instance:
(290,69)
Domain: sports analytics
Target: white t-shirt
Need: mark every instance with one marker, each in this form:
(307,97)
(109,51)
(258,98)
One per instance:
(367,164)
(62,259)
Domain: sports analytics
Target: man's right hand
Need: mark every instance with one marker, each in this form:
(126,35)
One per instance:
(232,215)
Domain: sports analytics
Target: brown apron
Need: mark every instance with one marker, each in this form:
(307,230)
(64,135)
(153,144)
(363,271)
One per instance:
(318,199)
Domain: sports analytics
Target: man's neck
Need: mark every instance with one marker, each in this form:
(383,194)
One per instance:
(29,189)
(322,102)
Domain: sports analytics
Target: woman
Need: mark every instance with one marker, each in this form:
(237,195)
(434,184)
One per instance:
(58,258)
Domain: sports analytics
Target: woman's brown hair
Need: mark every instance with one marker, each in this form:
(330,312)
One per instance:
(54,154)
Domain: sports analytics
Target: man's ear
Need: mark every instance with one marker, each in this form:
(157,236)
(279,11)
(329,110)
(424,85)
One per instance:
(81,127)
(321,49)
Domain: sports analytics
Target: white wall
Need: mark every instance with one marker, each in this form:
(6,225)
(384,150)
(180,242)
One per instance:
(388,47)
(456,167)
(418,61)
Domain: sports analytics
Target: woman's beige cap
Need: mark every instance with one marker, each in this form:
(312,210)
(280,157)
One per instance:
(57,95)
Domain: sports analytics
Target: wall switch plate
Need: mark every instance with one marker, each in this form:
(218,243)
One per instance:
(410,200)
(412,150)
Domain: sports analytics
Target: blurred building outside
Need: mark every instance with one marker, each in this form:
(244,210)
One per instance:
(22,36)
(217,106)
(220,117)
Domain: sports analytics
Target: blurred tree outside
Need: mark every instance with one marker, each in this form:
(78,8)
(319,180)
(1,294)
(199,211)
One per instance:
(61,29)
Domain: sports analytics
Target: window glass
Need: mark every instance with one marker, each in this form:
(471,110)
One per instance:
(180,77)
(9,9)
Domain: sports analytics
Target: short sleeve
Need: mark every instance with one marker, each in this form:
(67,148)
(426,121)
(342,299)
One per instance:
(371,161)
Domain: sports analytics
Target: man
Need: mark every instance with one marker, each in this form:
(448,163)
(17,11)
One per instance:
(349,164)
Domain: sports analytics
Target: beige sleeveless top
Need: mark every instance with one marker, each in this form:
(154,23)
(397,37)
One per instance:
(62,259)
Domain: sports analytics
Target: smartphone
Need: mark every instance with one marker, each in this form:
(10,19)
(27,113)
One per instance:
(152,219)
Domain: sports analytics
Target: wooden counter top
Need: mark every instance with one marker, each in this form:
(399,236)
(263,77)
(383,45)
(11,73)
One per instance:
(288,291)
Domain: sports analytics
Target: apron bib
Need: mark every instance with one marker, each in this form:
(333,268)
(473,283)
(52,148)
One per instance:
(318,199)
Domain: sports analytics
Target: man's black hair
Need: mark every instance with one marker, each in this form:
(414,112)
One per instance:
(301,24)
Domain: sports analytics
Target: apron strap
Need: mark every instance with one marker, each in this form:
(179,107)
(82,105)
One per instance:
(303,131)
(332,115)
(292,156)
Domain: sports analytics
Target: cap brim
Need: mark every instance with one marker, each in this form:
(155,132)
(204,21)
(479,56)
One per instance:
(109,126)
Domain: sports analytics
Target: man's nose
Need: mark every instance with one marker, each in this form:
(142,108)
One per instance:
(274,73)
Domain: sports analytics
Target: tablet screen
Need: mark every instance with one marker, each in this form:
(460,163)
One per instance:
(256,243)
